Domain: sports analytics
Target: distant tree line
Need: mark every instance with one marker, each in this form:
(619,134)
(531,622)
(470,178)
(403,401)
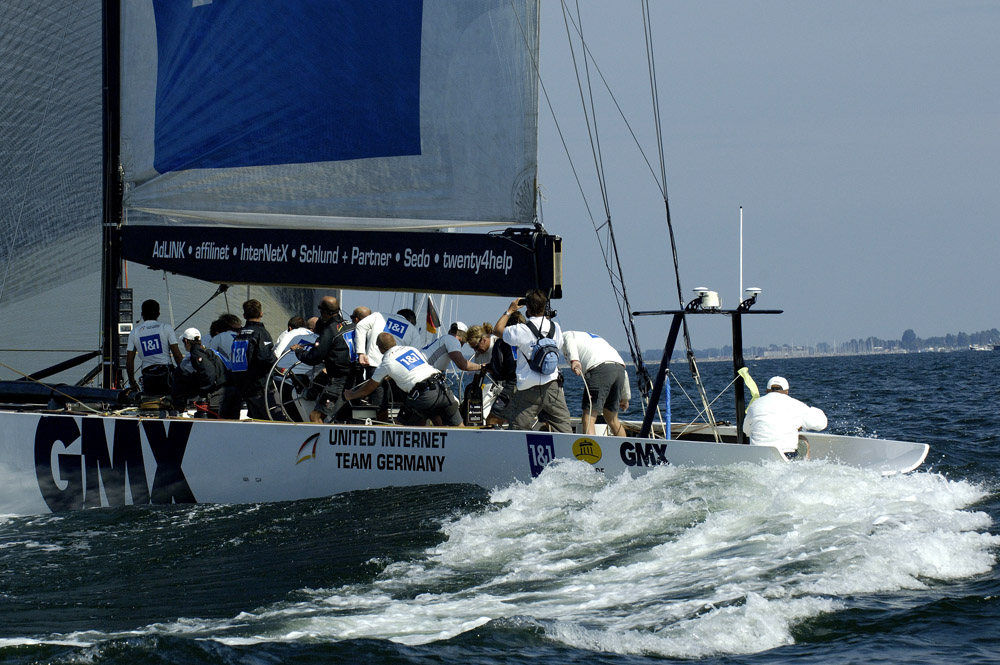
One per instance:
(908,342)
(911,342)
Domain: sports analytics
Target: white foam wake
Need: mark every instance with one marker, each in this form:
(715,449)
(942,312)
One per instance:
(680,562)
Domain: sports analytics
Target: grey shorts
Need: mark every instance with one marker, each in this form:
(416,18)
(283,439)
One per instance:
(545,402)
(605,385)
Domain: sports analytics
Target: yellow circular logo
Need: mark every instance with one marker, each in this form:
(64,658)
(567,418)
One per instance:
(587,450)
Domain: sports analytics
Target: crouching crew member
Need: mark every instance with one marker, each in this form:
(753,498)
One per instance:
(402,326)
(427,395)
(333,350)
(201,373)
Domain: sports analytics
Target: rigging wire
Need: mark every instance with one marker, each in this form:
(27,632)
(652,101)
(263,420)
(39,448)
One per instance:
(617,283)
(608,244)
(660,180)
(692,364)
(54,389)
(222,289)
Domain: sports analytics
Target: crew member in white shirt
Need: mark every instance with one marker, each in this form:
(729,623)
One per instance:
(297,333)
(539,396)
(603,371)
(774,419)
(369,326)
(154,343)
(427,395)
(448,349)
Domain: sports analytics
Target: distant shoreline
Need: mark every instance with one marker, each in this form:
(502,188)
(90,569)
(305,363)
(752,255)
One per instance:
(796,355)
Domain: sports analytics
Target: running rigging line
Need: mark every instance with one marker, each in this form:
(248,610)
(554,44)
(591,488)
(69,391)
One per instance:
(617,284)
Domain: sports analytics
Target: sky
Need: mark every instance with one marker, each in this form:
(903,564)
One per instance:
(860,138)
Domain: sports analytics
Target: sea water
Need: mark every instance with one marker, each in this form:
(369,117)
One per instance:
(811,562)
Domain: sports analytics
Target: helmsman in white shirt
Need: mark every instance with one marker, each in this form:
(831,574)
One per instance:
(297,333)
(603,371)
(775,419)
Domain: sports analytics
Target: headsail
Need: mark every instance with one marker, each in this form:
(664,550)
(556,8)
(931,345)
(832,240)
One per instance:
(323,115)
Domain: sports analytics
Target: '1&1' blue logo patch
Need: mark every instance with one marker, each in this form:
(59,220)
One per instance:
(410,360)
(396,327)
(541,451)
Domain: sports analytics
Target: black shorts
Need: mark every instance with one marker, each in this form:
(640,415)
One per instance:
(434,401)
(501,405)
(327,402)
(156,380)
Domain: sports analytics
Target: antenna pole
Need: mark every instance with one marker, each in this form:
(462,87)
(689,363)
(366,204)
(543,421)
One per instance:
(739,298)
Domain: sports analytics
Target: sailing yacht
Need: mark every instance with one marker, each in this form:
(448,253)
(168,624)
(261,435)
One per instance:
(300,145)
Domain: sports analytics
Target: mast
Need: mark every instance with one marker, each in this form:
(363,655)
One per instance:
(111,261)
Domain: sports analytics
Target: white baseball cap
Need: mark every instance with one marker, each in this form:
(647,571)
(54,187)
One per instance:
(461,326)
(779,381)
(191,333)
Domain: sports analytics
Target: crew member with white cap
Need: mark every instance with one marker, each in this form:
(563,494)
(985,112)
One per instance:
(775,419)
(201,373)
(448,348)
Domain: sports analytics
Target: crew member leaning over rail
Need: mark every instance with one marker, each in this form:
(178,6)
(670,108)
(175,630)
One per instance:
(428,397)
(603,371)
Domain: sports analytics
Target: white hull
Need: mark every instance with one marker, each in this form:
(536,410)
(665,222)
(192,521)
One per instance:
(63,462)
(887,456)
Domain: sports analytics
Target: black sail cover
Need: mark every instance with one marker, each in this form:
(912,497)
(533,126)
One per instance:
(506,264)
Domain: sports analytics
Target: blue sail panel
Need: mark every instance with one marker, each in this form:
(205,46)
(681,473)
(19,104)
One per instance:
(289,82)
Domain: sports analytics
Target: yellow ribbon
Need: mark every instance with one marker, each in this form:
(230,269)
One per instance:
(754,390)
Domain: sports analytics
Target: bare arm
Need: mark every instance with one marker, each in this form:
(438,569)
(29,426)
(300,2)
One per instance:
(130,369)
(361,332)
(502,321)
(462,363)
(366,388)
(814,419)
